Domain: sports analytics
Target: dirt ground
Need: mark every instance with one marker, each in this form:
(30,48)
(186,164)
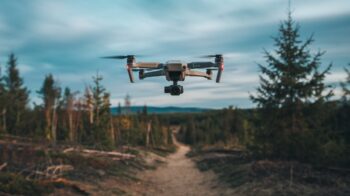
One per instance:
(180,176)
(175,174)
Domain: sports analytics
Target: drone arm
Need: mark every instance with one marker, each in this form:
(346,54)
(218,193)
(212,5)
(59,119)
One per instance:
(201,65)
(199,74)
(150,65)
(143,74)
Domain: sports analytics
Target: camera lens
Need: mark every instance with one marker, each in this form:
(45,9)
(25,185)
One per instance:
(175,90)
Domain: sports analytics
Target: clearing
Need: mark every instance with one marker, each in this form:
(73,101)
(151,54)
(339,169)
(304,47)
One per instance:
(180,176)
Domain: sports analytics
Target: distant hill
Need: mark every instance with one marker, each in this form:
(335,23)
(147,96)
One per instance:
(159,110)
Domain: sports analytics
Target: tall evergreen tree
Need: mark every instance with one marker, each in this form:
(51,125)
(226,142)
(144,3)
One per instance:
(18,94)
(50,92)
(101,126)
(290,82)
(3,103)
(346,85)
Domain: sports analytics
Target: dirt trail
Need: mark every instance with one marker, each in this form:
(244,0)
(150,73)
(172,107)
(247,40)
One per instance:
(179,176)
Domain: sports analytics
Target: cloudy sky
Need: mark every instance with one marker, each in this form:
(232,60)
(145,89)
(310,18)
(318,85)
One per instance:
(67,37)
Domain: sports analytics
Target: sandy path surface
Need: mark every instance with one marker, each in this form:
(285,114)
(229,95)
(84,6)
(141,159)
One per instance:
(179,176)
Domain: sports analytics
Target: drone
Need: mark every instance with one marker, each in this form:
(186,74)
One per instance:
(174,70)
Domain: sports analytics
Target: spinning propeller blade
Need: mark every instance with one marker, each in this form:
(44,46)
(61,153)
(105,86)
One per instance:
(211,56)
(122,56)
(219,61)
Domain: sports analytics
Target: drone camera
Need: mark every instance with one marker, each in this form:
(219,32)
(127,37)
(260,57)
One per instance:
(174,89)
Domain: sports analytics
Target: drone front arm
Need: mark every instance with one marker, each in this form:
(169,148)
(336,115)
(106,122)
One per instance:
(198,74)
(143,74)
(150,65)
(201,65)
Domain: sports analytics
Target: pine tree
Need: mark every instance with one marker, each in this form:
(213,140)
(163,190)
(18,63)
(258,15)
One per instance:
(346,85)
(18,94)
(290,82)
(3,103)
(50,92)
(101,126)
(69,102)
(106,119)
(119,109)
(89,104)
(343,114)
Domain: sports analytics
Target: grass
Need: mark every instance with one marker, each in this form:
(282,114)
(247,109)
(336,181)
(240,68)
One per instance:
(229,169)
(18,185)
(271,177)
(87,169)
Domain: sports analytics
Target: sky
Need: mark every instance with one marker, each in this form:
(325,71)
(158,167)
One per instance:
(67,37)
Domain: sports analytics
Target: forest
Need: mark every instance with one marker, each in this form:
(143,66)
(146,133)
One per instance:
(63,116)
(297,116)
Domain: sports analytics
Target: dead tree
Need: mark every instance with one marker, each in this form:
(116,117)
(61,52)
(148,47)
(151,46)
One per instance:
(149,128)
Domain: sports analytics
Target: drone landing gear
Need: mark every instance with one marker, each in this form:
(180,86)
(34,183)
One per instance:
(174,89)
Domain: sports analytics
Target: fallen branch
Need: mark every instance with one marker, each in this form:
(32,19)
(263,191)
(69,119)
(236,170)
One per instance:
(3,166)
(119,155)
(59,169)
(68,150)
(108,153)
(51,172)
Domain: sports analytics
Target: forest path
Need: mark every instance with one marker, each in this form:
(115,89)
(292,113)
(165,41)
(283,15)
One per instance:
(180,176)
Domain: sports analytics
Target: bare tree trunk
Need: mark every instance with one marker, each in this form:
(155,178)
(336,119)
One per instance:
(70,126)
(91,114)
(17,121)
(78,120)
(149,127)
(54,124)
(70,113)
(112,131)
(4,119)
(118,134)
(48,123)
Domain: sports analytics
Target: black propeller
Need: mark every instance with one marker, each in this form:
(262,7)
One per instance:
(130,61)
(211,56)
(219,61)
(146,69)
(121,56)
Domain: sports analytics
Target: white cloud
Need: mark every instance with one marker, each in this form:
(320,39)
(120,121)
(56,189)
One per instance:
(47,66)
(336,77)
(24,68)
(81,77)
(320,9)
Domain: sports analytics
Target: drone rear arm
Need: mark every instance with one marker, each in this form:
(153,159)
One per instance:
(198,74)
(143,74)
(201,65)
